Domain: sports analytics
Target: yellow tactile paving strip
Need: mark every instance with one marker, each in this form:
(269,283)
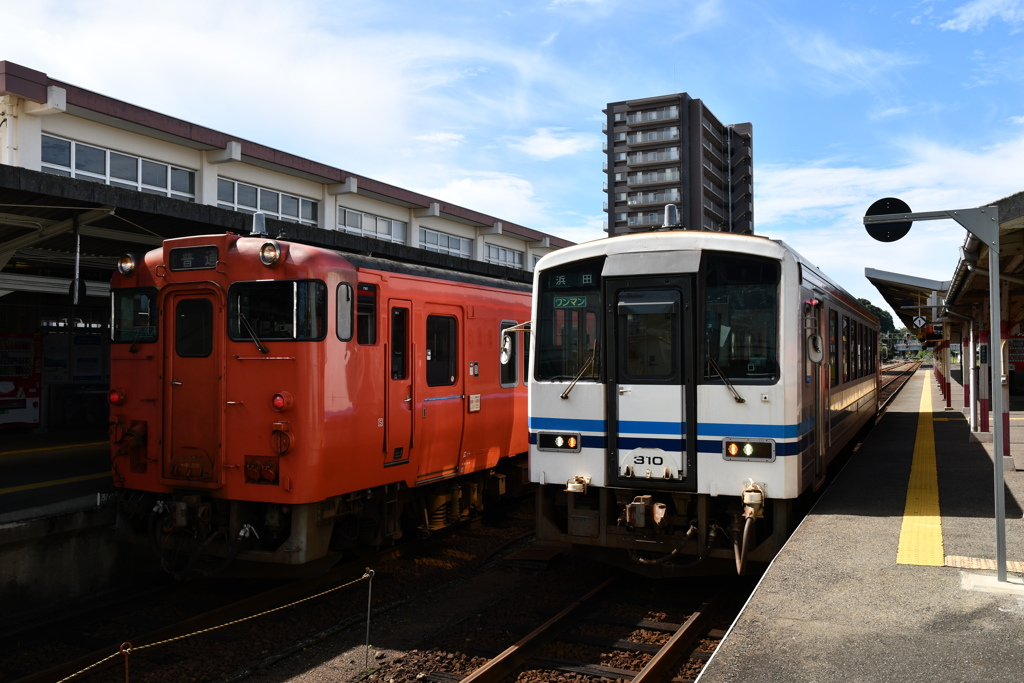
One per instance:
(979,563)
(921,533)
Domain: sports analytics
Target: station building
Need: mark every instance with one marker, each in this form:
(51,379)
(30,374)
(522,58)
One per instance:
(86,178)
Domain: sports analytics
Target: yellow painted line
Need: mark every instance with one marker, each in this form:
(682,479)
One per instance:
(54,482)
(921,533)
(53,448)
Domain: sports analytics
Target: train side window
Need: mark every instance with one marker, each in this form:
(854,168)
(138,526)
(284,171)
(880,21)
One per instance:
(860,350)
(193,328)
(442,351)
(366,314)
(345,311)
(846,349)
(509,372)
(833,348)
(399,343)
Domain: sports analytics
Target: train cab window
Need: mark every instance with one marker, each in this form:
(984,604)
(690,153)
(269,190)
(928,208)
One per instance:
(399,343)
(345,310)
(833,348)
(442,351)
(741,319)
(277,310)
(509,370)
(193,328)
(570,312)
(133,315)
(649,347)
(366,314)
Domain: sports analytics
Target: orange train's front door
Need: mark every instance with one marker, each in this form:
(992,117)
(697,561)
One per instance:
(192,387)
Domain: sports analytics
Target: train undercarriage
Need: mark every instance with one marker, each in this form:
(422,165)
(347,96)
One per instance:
(196,534)
(663,534)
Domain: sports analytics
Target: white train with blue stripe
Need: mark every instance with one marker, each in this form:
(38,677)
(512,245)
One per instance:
(687,389)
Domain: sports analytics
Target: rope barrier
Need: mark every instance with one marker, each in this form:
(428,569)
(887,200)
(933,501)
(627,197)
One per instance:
(127,649)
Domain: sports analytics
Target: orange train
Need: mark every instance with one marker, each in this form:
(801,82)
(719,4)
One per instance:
(277,402)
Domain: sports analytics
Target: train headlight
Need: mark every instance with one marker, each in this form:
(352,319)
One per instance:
(748,449)
(270,253)
(126,264)
(559,441)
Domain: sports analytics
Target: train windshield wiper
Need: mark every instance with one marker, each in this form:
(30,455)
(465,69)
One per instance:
(714,364)
(252,333)
(136,336)
(587,364)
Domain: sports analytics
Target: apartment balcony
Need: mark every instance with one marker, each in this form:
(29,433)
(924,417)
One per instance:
(713,209)
(604,126)
(642,118)
(652,137)
(645,220)
(663,177)
(648,198)
(659,156)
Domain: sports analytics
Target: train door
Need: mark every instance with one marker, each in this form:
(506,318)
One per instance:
(651,400)
(192,370)
(399,395)
(439,393)
(814,389)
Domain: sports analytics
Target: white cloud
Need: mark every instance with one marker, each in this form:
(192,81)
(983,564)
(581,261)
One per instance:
(441,139)
(843,68)
(976,15)
(551,143)
(497,194)
(819,209)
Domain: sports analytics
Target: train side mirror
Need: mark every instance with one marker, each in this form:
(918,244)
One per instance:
(815,348)
(506,348)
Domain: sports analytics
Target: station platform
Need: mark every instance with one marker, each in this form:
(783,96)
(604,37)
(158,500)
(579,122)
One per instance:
(54,473)
(892,575)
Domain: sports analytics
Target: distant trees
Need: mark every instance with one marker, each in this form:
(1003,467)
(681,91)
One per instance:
(885,323)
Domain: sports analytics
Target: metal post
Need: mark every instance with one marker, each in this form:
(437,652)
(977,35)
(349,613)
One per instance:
(983,223)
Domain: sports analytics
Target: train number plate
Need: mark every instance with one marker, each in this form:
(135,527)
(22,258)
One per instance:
(651,463)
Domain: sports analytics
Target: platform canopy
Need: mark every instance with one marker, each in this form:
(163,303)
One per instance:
(910,297)
(965,295)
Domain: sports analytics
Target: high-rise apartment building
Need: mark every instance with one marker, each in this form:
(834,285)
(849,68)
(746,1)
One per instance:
(672,150)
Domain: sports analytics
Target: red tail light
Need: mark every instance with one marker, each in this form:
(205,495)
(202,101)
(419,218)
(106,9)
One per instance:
(117,397)
(281,401)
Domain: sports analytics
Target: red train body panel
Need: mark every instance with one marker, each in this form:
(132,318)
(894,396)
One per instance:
(276,412)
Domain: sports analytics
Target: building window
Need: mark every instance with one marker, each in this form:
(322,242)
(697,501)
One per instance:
(443,243)
(251,198)
(77,160)
(504,256)
(367,224)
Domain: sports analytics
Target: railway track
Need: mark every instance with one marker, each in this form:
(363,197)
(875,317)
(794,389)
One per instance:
(894,376)
(608,634)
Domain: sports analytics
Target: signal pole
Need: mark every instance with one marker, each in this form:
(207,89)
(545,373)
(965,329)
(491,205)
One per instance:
(887,220)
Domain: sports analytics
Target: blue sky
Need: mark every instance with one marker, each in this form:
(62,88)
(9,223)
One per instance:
(496,106)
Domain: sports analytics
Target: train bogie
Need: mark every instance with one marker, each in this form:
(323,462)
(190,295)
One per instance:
(687,389)
(277,402)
